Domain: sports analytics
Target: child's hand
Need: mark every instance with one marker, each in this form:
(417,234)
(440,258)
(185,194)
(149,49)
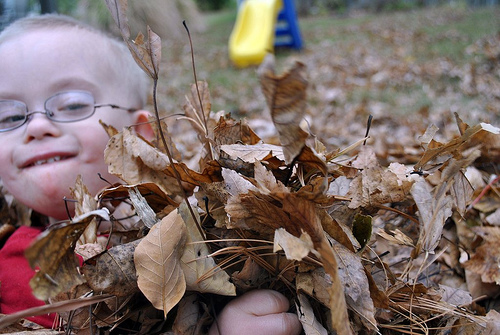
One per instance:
(257,312)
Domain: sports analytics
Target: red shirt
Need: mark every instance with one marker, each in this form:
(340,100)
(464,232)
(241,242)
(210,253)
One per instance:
(15,274)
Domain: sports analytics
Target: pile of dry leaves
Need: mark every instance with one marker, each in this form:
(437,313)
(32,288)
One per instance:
(358,247)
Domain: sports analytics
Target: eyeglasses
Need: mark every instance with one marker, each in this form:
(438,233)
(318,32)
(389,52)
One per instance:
(70,106)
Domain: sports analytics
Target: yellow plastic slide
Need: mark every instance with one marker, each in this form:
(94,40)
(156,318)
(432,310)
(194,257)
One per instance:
(253,33)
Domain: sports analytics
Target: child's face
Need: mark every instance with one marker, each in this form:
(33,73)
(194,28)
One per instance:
(33,68)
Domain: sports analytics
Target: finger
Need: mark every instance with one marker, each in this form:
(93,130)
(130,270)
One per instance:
(272,324)
(262,302)
(277,324)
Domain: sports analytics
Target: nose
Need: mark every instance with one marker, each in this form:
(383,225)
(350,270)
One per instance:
(40,126)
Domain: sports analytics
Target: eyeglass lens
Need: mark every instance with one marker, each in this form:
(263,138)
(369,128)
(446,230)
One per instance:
(63,107)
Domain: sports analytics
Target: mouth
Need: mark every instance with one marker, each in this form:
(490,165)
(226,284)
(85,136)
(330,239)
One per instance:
(43,161)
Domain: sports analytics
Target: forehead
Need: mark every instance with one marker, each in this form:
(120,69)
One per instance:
(50,58)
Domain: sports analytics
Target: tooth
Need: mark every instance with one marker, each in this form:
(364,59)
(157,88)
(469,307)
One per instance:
(49,160)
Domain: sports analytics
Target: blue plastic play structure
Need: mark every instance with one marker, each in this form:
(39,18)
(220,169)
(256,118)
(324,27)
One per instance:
(260,26)
(287,28)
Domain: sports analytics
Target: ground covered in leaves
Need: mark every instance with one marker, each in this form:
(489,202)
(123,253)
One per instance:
(392,230)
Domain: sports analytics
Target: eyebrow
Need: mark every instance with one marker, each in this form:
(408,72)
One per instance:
(72,83)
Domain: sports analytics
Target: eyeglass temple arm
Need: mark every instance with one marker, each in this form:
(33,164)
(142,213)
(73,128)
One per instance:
(118,107)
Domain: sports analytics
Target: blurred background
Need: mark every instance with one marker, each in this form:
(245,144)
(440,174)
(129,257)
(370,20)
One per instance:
(408,63)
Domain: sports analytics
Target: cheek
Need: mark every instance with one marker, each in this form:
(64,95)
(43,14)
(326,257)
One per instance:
(6,163)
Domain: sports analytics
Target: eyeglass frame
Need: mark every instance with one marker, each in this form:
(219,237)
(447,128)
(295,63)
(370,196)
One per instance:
(48,112)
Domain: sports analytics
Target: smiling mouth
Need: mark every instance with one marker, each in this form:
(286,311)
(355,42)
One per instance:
(48,160)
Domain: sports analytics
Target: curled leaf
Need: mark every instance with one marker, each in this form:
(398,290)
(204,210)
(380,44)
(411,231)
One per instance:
(286,98)
(53,254)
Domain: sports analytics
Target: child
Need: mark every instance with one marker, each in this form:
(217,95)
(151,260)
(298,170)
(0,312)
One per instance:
(58,78)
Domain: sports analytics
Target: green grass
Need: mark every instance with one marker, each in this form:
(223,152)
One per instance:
(337,49)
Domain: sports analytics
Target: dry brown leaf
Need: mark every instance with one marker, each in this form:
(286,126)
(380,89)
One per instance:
(266,181)
(303,214)
(113,271)
(295,248)
(376,186)
(310,159)
(433,210)
(53,253)
(227,131)
(286,98)
(157,261)
(355,283)
(188,320)
(252,153)
(136,161)
(250,276)
(146,54)
(200,270)
(142,208)
(156,198)
(307,318)
(235,183)
(340,186)
(492,323)
(257,212)
(436,153)
(198,114)
(487,256)
(85,203)
(455,296)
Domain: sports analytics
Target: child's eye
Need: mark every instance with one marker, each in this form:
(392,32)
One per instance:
(75,107)
(13,118)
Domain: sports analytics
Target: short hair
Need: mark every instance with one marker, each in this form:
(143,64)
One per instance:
(136,78)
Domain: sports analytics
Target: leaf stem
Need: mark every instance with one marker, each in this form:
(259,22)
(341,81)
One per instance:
(169,155)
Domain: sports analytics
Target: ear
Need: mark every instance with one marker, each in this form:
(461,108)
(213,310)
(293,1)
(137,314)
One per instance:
(142,124)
